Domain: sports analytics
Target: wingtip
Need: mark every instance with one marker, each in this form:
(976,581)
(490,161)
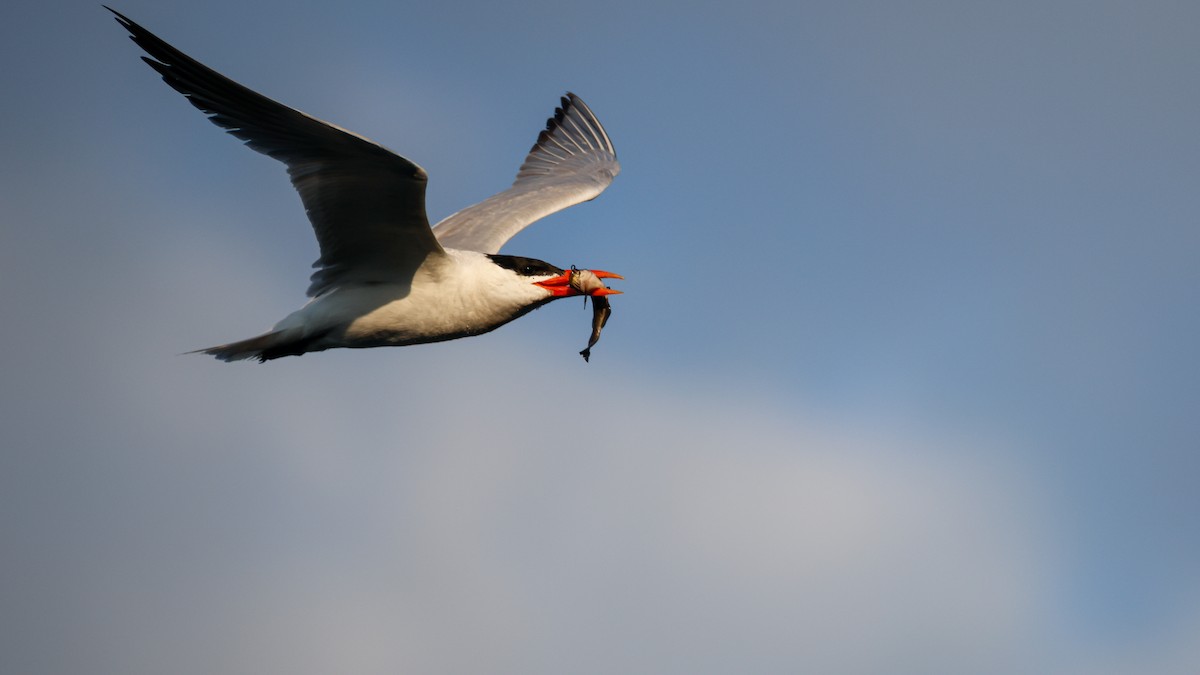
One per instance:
(121,18)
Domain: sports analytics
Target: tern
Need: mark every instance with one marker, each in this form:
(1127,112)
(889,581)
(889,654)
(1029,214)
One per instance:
(384,276)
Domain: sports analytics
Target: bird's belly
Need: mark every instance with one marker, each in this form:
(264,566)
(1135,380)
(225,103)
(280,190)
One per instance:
(395,324)
(376,318)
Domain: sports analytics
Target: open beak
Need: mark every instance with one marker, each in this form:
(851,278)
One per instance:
(561,286)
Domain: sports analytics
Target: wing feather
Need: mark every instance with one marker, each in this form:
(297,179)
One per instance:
(366,203)
(572,161)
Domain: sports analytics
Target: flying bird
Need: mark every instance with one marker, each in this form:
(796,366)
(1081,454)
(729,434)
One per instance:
(384,276)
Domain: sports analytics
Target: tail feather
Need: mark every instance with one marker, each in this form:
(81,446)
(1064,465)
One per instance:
(264,347)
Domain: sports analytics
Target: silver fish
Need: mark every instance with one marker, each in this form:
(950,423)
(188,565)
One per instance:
(588,284)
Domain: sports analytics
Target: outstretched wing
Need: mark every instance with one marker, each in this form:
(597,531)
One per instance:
(573,161)
(366,203)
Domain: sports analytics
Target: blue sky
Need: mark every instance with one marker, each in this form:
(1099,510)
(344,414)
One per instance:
(904,379)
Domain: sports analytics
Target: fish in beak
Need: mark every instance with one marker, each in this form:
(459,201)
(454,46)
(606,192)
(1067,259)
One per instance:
(586,283)
(579,282)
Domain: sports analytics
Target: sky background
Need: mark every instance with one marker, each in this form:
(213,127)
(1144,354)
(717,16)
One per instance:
(904,378)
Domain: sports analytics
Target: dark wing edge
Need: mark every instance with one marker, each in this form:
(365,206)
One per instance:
(572,133)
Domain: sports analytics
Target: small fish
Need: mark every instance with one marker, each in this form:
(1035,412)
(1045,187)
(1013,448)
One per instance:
(587,283)
(600,312)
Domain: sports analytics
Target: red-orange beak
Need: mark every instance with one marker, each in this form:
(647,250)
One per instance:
(561,287)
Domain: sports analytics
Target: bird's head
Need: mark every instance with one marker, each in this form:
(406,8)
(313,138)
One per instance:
(558,282)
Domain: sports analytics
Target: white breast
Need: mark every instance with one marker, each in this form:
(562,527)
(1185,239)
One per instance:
(461,294)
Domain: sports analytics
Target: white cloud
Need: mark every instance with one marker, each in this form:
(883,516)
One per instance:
(468,508)
(483,507)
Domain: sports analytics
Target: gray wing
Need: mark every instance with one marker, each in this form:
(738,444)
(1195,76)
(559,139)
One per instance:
(366,203)
(573,161)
